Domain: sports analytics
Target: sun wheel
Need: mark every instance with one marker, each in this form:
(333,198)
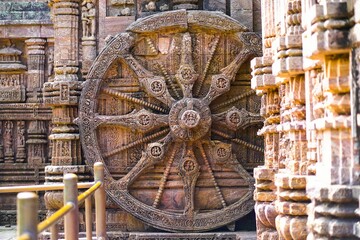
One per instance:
(171,114)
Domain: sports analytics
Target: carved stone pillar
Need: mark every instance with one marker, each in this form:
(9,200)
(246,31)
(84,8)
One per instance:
(62,95)
(264,82)
(36,143)
(265,194)
(36,71)
(333,190)
(288,68)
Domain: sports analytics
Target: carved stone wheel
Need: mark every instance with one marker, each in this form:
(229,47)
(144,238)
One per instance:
(166,110)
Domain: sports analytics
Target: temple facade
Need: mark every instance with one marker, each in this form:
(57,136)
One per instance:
(207,115)
(308,82)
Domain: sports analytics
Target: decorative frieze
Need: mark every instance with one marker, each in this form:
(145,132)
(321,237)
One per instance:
(12,81)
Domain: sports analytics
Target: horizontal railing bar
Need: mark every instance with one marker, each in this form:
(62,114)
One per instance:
(48,222)
(88,192)
(35,188)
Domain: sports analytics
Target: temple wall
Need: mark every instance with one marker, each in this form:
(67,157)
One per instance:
(46,51)
(308,80)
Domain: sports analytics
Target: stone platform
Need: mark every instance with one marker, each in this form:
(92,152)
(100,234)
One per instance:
(168,236)
(184,236)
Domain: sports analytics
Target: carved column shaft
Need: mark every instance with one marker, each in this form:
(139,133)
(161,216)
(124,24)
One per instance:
(337,163)
(36,68)
(264,82)
(62,95)
(66,45)
(36,143)
(291,200)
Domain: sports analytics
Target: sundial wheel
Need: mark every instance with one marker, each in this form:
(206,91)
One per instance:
(167,107)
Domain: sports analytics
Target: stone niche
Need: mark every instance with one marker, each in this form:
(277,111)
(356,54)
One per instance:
(12,77)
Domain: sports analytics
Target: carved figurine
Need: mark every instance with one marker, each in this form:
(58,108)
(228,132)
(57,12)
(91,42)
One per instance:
(150,7)
(20,151)
(88,14)
(125,12)
(50,61)
(164,7)
(8,141)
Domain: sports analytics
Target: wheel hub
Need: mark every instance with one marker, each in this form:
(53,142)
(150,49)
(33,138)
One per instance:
(189,119)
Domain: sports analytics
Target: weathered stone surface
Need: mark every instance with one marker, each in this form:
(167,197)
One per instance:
(178,149)
(313,59)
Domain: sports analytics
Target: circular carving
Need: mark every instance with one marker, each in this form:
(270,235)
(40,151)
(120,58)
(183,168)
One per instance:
(234,118)
(189,124)
(179,139)
(144,120)
(222,83)
(190,118)
(157,87)
(186,73)
(155,150)
(189,165)
(221,152)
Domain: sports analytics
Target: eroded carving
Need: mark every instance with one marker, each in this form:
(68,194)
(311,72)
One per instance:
(177,127)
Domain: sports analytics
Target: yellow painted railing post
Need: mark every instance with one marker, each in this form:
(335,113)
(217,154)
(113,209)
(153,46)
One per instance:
(100,202)
(71,219)
(27,215)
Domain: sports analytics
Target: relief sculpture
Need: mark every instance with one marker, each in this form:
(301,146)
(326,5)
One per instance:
(185,110)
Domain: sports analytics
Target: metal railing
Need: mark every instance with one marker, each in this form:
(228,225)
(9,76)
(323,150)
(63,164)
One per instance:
(28,227)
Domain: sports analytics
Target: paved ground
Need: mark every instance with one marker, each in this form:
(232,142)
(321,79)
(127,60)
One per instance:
(7,233)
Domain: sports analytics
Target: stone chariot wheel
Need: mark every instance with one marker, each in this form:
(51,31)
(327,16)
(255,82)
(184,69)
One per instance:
(169,111)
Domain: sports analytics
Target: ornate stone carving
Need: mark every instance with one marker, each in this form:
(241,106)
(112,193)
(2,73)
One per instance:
(36,67)
(12,87)
(88,14)
(20,149)
(179,118)
(8,142)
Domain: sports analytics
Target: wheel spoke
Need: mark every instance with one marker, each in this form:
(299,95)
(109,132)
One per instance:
(155,86)
(162,68)
(154,154)
(222,154)
(234,119)
(203,76)
(165,176)
(238,141)
(189,170)
(142,120)
(136,143)
(134,100)
(220,83)
(218,191)
(186,75)
(234,99)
